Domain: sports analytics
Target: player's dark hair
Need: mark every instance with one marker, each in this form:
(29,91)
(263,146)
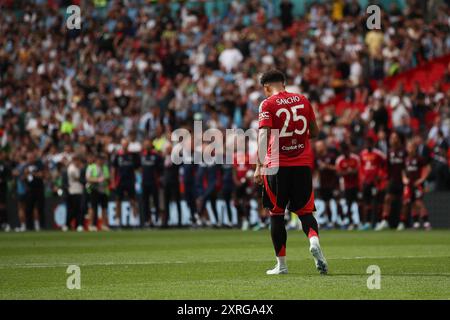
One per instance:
(370,143)
(272,76)
(345,147)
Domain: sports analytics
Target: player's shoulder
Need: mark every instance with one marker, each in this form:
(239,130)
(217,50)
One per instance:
(379,153)
(354,156)
(340,158)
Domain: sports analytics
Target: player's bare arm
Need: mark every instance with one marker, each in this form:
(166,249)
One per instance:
(425,173)
(263,138)
(313,129)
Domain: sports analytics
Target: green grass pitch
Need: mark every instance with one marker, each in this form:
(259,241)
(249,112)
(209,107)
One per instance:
(222,264)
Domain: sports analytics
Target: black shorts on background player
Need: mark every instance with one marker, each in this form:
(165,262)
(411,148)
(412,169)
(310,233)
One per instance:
(395,188)
(367,191)
(326,194)
(290,186)
(351,195)
(123,190)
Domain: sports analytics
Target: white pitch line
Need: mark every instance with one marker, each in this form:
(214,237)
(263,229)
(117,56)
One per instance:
(65,264)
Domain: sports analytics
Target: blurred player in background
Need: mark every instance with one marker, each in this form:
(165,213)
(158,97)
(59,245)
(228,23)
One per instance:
(151,167)
(395,165)
(329,184)
(415,173)
(284,165)
(171,185)
(34,173)
(348,167)
(123,168)
(372,162)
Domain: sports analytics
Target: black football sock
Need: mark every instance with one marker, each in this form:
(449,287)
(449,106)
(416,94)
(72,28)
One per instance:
(279,235)
(309,225)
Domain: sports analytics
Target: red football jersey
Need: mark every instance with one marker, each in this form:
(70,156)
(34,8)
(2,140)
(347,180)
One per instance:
(343,164)
(371,164)
(290,114)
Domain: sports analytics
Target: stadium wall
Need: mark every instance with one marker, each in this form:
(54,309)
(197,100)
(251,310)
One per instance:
(55,212)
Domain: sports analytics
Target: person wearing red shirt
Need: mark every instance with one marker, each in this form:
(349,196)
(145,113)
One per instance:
(372,161)
(286,123)
(347,166)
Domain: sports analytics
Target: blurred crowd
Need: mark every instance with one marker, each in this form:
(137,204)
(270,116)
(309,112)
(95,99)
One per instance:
(84,112)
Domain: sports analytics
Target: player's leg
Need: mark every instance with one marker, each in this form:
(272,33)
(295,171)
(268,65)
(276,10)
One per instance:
(367,207)
(378,214)
(279,238)
(213,202)
(311,230)
(39,209)
(227,198)
(301,201)
(423,212)
(155,197)
(77,211)
(324,195)
(275,198)
(405,209)
(336,198)
(103,199)
(119,199)
(21,213)
(3,211)
(387,204)
(415,215)
(167,198)
(241,208)
(351,197)
(177,198)
(93,210)
(131,191)
(145,202)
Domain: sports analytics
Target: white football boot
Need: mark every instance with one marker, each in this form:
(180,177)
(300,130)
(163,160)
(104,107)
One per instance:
(401,226)
(279,269)
(382,225)
(319,259)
